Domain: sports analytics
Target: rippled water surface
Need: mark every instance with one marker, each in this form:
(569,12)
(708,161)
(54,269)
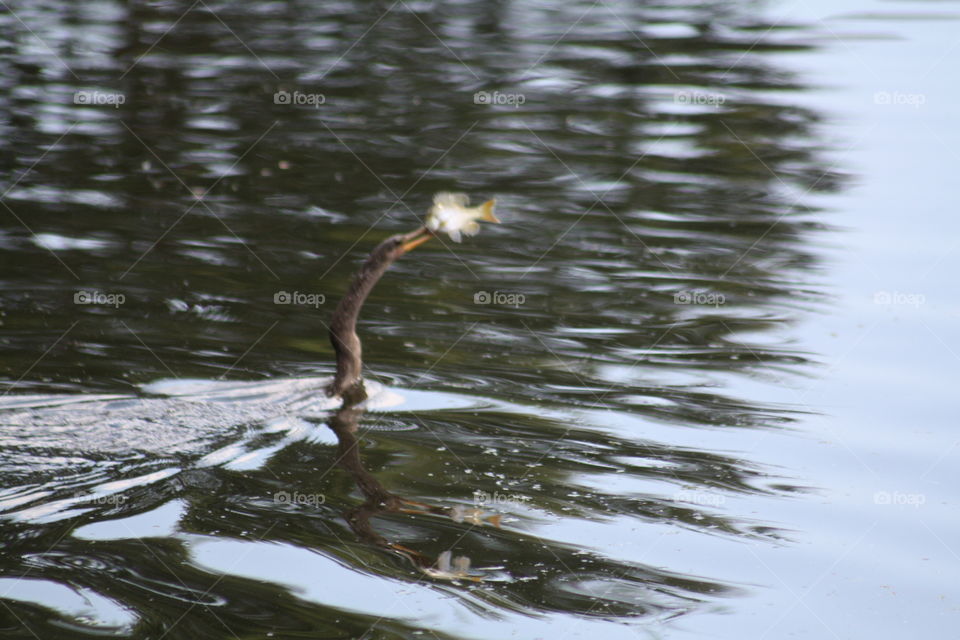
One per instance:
(697,384)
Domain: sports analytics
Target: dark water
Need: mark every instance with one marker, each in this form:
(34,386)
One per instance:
(606,440)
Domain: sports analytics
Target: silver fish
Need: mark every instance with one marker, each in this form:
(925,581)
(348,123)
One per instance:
(451,214)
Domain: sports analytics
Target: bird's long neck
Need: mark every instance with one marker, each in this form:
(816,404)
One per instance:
(343,326)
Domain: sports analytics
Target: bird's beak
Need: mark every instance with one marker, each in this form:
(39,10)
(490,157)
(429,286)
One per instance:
(415,239)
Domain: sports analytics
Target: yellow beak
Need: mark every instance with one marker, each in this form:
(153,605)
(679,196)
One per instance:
(415,239)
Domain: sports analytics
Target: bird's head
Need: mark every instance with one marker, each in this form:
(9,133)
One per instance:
(390,250)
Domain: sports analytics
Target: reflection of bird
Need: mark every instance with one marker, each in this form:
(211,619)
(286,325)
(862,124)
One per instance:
(343,327)
(345,422)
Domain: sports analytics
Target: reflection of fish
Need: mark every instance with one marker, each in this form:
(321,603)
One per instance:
(476,516)
(446,566)
(452,569)
(450,214)
(458,513)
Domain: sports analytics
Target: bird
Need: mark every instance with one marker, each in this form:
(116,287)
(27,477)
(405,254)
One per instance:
(347,381)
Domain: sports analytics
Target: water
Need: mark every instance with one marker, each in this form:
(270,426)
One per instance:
(696,385)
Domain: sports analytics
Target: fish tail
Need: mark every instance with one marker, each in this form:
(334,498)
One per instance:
(494,520)
(486,211)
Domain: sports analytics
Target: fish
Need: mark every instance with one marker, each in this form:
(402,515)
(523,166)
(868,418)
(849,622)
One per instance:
(451,214)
